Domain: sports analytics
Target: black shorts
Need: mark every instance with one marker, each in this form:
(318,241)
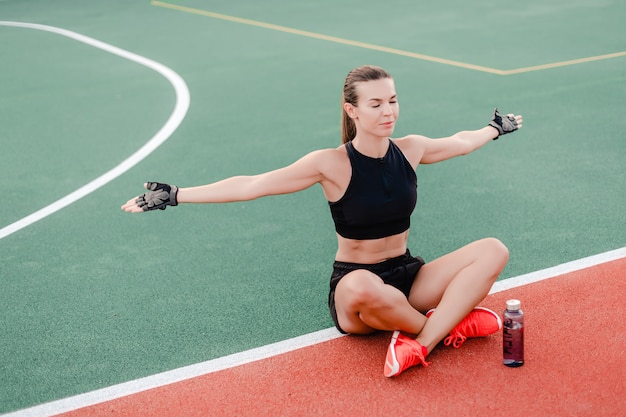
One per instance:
(399,272)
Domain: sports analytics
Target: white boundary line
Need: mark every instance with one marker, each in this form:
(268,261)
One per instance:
(175,119)
(264,352)
(558,270)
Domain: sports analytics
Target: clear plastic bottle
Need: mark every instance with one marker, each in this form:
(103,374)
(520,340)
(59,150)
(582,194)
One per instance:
(513,334)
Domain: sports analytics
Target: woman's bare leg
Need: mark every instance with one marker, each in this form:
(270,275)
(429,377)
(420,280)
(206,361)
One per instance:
(455,283)
(364,304)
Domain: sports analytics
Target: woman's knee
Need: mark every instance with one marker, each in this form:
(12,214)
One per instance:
(356,293)
(497,250)
(495,255)
(357,288)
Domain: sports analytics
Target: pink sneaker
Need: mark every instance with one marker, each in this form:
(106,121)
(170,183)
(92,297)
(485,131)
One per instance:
(480,322)
(403,352)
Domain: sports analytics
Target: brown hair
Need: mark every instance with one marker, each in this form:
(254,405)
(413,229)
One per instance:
(349,95)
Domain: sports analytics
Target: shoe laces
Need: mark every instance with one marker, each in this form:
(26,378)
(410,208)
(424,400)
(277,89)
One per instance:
(476,324)
(410,352)
(458,335)
(455,339)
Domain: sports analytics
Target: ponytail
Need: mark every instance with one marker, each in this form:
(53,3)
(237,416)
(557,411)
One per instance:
(348,128)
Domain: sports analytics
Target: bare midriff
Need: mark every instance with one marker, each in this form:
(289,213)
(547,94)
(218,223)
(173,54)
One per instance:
(371,251)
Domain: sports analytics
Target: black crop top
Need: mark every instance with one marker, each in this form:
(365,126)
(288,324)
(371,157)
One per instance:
(380,197)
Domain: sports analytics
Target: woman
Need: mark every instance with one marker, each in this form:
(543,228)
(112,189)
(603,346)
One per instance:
(371,187)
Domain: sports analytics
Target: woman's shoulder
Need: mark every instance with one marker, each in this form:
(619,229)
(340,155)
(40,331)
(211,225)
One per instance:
(325,160)
(412,146)
(409,140)
(329,153)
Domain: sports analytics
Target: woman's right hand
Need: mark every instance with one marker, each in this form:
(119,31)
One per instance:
(159,196)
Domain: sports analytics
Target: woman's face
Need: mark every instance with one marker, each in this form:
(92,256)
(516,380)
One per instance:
(377,107)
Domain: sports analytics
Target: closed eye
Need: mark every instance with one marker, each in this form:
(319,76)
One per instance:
(390,102)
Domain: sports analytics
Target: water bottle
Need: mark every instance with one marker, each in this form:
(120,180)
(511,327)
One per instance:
(513,334)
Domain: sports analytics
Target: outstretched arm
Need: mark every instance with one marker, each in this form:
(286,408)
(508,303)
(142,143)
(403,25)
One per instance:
(296,177)
(467,141)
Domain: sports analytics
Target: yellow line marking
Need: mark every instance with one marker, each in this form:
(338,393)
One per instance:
(564,63)
(379,48)
(326,37)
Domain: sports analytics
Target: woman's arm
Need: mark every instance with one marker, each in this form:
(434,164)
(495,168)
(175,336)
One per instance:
(296,177)
(462,143)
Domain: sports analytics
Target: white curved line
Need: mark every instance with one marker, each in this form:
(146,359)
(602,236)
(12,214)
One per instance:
(177,116)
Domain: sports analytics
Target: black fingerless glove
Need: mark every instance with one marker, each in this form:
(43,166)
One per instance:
(504,124)
(159,197)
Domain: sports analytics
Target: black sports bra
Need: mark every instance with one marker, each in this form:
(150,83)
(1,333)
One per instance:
(380,198)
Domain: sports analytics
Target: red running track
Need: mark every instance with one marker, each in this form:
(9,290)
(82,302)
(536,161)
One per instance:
(575,366)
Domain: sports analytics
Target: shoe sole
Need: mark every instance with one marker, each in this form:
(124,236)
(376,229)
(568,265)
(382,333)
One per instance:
(392,368)
(492,313)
